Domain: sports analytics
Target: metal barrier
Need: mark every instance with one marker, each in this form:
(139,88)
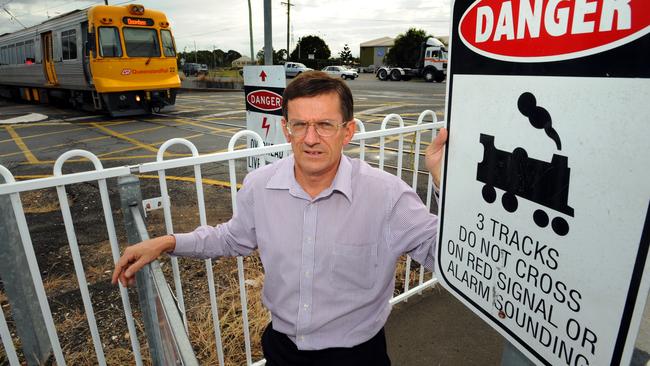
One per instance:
(165,319)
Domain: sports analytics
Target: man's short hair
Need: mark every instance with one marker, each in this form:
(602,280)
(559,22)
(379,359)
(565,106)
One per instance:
(315,83)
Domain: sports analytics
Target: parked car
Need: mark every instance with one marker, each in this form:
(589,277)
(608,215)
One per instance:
(292,69)
(341,71)
(203,69)
(191,69)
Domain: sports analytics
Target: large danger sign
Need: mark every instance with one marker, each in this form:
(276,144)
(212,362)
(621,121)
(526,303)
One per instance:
(263,88)
(545,211)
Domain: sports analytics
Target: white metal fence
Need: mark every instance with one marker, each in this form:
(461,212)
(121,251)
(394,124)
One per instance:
(100,175)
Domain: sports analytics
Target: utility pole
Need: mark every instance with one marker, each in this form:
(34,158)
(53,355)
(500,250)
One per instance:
(268,34)
(289,5)
(196,54)
(250,30)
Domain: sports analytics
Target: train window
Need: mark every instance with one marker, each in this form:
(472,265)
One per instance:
(69,44)
(109,42)
(168,43)
(29,51)
(12,54)
(20,52)
(141,42)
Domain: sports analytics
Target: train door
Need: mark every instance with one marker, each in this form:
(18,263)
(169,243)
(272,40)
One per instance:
(48,59)
(87,42)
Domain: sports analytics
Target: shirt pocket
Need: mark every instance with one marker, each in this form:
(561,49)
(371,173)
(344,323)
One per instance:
(354,266)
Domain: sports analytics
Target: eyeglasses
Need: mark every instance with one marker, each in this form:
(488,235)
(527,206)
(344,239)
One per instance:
(323,128)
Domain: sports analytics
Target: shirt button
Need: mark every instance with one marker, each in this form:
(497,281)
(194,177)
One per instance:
(306,306)
(302,338)
(307,273)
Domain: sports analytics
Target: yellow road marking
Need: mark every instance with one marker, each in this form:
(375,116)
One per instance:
(208,181)
(85,141)
(125,138)
(212,182)
(127,157)
(157,143)
(192,123)
(64,123)
(21,145)
(45,134)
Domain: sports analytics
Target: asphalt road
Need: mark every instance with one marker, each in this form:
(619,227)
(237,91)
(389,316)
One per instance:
(32,137)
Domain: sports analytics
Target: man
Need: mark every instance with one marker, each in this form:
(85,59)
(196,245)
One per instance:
(329,231)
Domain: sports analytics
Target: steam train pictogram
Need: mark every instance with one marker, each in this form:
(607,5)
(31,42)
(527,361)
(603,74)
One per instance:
(544,183)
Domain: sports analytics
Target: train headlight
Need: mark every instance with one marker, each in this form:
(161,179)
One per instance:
(136,9)
(137,98)
(122,97)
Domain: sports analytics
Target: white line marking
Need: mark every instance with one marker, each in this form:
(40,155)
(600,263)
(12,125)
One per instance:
(31,117)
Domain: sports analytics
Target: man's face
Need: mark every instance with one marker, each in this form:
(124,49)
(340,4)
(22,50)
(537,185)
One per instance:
(317,156)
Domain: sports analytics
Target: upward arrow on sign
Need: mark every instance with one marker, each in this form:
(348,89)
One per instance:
(263,75)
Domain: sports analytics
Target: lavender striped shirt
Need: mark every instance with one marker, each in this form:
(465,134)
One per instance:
(329,261)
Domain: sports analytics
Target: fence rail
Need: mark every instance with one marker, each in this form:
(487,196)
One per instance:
(174,317)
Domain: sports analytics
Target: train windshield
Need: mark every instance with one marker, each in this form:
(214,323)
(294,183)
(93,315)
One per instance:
(109,42)
(168,43)
(141,42)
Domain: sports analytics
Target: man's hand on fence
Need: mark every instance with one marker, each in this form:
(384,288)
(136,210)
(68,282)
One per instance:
(137,256)
(433,155)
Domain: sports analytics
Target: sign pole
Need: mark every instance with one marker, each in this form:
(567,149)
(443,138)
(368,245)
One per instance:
(268,34)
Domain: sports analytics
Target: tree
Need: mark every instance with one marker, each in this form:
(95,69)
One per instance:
(346,55)
(311,45)
(218,56)
(229,57)
(278,56)
(406,51)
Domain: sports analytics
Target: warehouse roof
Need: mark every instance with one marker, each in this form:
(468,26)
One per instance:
(379,42)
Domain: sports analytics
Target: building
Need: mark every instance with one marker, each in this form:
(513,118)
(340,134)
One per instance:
(242,61)
(373,52)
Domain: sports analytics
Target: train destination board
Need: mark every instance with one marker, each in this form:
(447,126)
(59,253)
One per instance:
(545,221)
(263,88)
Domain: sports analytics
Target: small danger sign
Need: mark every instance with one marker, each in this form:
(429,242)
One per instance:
(263,88)
(264,100)
(545,210)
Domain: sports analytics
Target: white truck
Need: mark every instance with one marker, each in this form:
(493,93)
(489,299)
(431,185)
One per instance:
(432,64)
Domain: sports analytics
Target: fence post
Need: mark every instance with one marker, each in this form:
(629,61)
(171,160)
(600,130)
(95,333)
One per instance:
(131,196)
(19,286)
(511,356)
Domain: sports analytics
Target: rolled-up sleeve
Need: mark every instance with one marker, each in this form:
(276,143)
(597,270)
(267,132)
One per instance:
(233,238)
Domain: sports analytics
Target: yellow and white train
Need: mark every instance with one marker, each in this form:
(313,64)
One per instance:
(119,59)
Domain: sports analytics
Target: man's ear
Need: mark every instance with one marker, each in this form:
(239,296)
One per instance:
(350,129)
(285,130)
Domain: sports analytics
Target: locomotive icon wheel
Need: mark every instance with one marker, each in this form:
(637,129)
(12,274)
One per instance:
(541,218)
(560,226)
(509,202)
(489,194)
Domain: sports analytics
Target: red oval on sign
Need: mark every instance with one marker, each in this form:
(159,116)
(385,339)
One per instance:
(551,30)
(265,100)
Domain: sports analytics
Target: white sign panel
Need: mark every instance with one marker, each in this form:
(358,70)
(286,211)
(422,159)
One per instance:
(545,221)
(263,88)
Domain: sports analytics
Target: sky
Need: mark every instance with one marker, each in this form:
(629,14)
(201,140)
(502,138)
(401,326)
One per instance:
(224,24)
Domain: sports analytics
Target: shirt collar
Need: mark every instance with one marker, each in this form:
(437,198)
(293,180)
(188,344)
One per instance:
(284,178)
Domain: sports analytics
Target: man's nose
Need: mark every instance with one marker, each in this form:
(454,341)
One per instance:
(311,136)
